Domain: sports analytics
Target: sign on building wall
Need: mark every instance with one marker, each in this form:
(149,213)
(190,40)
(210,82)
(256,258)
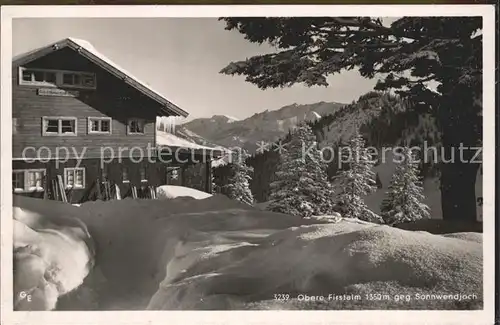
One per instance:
(57,92)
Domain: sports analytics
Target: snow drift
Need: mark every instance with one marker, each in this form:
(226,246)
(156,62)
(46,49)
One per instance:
(173,191)
(215,253)
(53,253)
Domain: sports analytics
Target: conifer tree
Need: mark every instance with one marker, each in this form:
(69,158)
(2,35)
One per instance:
(356,181)
(404,198)
(301,185)
(239,183)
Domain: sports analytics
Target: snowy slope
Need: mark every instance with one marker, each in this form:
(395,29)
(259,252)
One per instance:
(316,115)
(216,254)
(231,119)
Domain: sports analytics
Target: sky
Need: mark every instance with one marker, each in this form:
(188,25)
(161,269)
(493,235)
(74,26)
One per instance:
(181,58)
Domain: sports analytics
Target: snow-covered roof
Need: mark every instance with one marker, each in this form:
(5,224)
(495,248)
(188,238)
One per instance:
(87,50)
(165,139)
(171,140)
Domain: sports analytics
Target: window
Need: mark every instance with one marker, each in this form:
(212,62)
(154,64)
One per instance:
(135,126)
(18,181)
(99,125)
(125,178)
(143,172)
(28,180)
(54,78)
(78,79)
(74,177)
(38,77)
(35,180)
(59,125)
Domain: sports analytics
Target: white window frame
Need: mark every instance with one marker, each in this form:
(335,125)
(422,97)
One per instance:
(34,82)
(59,78)
(95,118)
(74,169)
(139,120)
(59,129)
(26,188)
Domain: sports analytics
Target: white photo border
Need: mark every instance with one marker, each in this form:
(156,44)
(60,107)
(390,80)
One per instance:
(485,316)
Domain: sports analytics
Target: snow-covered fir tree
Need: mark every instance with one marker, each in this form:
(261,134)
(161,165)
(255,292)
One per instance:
(404,198)
(239,184)
(356,181)
(301,185)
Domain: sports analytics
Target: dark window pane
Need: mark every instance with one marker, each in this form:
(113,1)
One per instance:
(77,79)
(70,180)
(68,126)
(68,79)
(50,77)
(39,75)
(105,126)
(136,126)
(95,125)
(18,180)
(133,126)
(52,126)
(27,75)
(88,81)
(140,127)
(79,177)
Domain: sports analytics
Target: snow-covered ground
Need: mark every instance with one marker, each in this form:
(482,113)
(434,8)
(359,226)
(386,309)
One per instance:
(216,253)
(172,192)
(53,252)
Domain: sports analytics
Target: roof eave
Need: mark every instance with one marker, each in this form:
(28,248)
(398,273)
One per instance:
(168,107)
(36,54)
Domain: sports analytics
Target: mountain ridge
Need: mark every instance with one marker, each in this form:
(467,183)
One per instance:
(268,125)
